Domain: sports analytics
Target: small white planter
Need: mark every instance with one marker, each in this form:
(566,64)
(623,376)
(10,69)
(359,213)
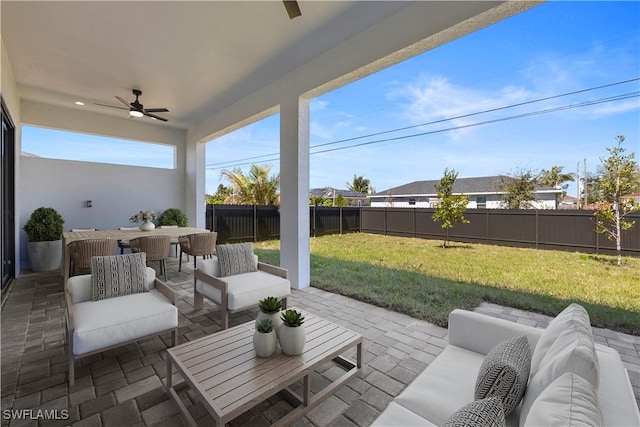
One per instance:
(147,226)
(292,340)
(264,343)
(275,318)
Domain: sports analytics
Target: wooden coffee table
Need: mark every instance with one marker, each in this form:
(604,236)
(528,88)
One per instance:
(225,374)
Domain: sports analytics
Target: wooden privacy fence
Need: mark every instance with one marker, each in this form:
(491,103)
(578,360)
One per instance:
(541,229)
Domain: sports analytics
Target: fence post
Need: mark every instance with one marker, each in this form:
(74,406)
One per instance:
(385,221)
(255,223)
(537,224)
(340,220)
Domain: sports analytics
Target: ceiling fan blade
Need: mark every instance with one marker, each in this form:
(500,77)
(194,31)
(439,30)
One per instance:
(124,101)
(153,116)
(110,106)
(156,110)
(292,8)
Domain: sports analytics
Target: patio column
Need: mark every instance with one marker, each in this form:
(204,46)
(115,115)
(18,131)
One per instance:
(195,180)
(294,190)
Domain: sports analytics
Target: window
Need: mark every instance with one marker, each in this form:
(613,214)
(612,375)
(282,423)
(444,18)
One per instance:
(412,202)
(481,202)
(64,145)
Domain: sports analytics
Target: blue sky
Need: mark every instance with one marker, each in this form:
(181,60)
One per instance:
(553,49)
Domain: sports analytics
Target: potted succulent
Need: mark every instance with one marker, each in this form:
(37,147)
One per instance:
(264,339)
(44,229)
(173,216)
(270,309)
(292,335)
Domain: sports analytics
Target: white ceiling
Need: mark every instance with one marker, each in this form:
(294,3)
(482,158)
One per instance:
(193,58)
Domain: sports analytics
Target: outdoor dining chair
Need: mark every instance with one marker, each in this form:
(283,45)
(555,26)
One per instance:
(156,247)
(174,240)
(81,251)
(199,244)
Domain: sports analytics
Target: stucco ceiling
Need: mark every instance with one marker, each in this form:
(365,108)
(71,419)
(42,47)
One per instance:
(192,57)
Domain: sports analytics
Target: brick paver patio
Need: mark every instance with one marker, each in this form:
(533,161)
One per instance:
(123,386)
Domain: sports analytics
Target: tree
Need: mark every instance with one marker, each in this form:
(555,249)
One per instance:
(359,184)
(340,201)
(256,188)
(556,179)
(519,189)
(316,200)
(220,197)
(451,207)
(617,178)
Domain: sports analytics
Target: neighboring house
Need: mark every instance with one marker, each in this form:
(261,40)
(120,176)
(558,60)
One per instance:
(353,198)
(568,203)
(483,192)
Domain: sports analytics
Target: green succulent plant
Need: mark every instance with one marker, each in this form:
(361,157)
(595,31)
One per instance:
(292,318)
(270,305)
(264,326)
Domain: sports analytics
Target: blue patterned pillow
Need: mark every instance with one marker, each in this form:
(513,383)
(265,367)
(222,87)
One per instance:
(118,275)
(236,258)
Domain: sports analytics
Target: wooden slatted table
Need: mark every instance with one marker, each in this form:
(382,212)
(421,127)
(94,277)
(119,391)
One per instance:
(225,374)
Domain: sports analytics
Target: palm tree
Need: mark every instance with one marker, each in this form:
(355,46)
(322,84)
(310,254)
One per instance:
(555,177)
(256,188)
(359,184)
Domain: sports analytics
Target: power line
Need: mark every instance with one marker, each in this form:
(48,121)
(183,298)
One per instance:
(492,110)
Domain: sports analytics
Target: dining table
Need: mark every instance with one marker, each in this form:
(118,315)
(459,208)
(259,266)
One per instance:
(128,234)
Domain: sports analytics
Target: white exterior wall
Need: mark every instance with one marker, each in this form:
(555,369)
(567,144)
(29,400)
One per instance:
(544,201)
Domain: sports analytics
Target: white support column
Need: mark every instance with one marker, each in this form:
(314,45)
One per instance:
(195,177)
(294,190)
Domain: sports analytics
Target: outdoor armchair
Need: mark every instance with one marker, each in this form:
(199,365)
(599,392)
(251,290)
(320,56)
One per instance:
(81,251)
(199,244)
(156,247)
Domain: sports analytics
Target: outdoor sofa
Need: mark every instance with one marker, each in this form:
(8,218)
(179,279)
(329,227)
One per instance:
(567,380)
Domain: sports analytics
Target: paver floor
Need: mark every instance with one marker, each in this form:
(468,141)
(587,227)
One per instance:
(123,386)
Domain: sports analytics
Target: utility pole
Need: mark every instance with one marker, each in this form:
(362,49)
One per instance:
(578,185)
(585,182)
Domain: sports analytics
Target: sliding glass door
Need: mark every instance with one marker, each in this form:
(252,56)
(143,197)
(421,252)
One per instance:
(7,196)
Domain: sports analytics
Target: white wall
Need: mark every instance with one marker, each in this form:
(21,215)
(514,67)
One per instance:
(116,192)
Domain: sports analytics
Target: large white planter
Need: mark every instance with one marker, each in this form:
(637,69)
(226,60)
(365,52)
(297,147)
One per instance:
(45,256)
(275,318)
(292,340)
(264,343)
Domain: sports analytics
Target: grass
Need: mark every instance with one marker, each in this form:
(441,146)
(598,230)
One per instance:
(420,278)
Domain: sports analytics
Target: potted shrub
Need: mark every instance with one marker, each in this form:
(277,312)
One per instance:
(292,335)
(264,339)
(173,216)
(270,309)
(44,229)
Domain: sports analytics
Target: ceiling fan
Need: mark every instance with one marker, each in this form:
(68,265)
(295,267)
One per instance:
(136,109)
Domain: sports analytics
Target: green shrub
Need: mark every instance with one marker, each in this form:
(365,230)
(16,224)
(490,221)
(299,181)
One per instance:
(44,225)
(173,216)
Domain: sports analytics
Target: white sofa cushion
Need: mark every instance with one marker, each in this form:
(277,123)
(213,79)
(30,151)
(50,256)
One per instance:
(573,314)
(245,290)
(212,266)
(615,394)
(568,401)
(481,413)
(80,286)
(505,372)
(396,415)
(573,351)
(111,321)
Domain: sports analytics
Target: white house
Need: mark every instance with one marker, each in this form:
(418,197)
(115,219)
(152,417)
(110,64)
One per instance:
(484,192)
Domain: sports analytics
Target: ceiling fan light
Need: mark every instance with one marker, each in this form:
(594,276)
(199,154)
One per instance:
(136,113)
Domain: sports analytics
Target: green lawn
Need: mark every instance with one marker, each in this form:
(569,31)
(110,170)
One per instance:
(420,278)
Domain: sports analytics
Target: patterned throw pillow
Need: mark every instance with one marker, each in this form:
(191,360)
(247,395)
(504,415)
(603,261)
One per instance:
(481,413)
(118,275)
(236,258)
(504,373)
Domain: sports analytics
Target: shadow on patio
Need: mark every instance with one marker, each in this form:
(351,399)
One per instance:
(123,386)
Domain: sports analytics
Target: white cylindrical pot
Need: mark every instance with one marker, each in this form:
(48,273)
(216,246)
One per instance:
(275,318)
(147,226)
(45,256)
(292,340)
(264,343)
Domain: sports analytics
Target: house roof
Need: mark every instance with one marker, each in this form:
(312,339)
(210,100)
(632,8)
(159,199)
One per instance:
(475,185)
(328,192)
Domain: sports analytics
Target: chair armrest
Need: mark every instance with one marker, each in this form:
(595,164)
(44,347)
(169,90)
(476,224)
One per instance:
(69,311)
(272,269)
(211,280)
(480,333)
(165,290)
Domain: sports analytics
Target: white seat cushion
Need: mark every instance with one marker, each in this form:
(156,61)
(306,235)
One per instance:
(81,290)
(104,323)
(245,290)
(396,415)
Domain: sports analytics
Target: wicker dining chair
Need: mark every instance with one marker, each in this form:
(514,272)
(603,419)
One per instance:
(156,247)
(124,244)
(174,240)
(81,251)
(199,244)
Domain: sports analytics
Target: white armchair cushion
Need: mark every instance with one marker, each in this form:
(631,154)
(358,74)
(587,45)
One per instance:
(112,321)
(212,266)
(80,286)
(245,290)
